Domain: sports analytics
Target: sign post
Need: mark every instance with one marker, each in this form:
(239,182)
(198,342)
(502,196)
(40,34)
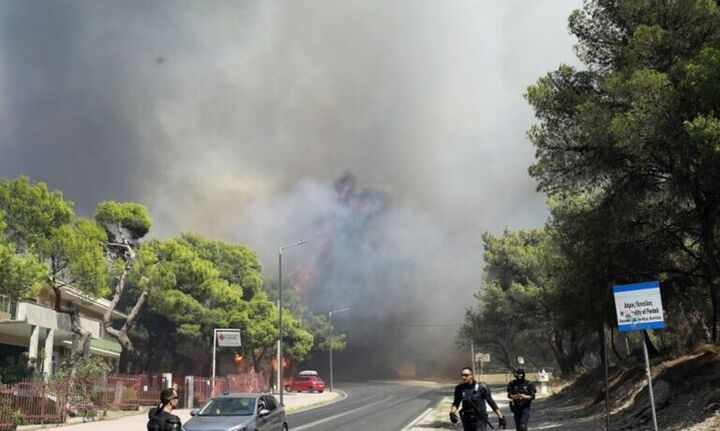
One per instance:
(223,337)
(482,358)
(639,307)
(472,355)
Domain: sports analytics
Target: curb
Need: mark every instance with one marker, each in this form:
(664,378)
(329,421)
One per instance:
(317,404)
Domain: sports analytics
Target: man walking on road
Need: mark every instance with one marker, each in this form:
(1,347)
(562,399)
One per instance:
(521,393)
(160,418)
(473,395)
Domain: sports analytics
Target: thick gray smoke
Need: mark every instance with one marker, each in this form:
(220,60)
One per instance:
(233,119)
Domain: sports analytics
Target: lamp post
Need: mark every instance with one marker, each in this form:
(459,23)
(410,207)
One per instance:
(330,314)
(280,320)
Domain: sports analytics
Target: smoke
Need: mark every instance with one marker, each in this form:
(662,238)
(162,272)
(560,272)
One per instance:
(233,118)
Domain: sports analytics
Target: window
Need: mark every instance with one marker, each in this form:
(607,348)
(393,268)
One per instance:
(270,403)
(228,407)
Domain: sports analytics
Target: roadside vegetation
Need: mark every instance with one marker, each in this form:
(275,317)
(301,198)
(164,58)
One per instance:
(628,153)
(173,291)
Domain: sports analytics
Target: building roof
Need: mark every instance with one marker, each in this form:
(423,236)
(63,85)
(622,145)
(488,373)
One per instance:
(99,305)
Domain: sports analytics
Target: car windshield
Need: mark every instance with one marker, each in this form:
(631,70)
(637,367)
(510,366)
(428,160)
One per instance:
(228,407)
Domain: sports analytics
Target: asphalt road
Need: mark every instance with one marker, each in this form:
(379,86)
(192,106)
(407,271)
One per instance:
(369,406)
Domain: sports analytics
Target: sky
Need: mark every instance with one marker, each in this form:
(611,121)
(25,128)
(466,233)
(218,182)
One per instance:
(235,118)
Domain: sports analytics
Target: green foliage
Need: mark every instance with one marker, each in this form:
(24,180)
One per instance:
(87,369)
(32,212)
(15,369)
(21,275)
(41,227)
(236,263)
(201,284)
(628,152)
(78,258)
(127,219)
(513,315)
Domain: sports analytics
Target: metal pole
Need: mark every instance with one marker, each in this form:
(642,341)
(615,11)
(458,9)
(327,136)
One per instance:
(280,326)
(627,345)
(649,379)
(280,319)
(472,355)
(212,393)
(607,379)
(331,349)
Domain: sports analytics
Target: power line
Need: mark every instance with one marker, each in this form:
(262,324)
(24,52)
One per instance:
(410,325)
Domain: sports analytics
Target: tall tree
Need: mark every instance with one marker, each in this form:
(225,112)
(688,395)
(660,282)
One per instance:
(239,265)
(640,120)
(125,224)
(41,222)
(21,275)
(200,293)
(517,312)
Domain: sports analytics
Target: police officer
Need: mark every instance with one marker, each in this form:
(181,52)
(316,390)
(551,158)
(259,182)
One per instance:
(160,418)
(473,395)
(521,393)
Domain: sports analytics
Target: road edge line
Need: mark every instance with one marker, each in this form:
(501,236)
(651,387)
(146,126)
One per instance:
(317,422)
(418,419)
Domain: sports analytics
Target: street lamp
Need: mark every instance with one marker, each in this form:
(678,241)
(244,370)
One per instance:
(330,314)
(280,321)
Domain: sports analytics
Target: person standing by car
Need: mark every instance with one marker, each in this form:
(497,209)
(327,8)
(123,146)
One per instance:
(160,418)
(521,393)
(473,396)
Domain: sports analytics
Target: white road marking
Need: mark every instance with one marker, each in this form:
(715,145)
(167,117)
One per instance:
(318,422)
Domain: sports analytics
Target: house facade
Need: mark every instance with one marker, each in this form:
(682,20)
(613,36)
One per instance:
(33,326)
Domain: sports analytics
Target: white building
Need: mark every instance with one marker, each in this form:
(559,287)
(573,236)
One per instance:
(34,326)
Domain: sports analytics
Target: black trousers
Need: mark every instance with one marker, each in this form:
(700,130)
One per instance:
(522,417)
(475,426)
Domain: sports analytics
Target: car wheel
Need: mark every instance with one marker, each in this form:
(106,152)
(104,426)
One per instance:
(321,391)
(288,389)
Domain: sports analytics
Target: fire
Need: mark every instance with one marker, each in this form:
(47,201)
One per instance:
(350,214)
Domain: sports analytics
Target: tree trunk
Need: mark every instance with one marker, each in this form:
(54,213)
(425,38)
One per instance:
(80,346)
(711,253)
(603,346)
(715,314)
(567,358)
(556,346)
(619,357)
(256,365)
(124,363)
(58,298)
(122,334)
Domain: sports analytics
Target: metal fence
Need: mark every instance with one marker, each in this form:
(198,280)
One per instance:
(246,382)
(38,402)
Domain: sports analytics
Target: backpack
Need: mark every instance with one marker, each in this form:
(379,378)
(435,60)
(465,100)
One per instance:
(163,422)
(155,423)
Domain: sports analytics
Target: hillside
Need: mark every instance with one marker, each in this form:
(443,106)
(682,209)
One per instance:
(686,389)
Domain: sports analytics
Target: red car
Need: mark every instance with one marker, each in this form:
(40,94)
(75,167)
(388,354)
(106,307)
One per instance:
(306,381)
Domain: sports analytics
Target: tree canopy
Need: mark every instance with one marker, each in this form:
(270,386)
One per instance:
(628,153)
(177,289)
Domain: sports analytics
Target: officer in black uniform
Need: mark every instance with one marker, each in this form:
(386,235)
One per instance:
(473,395)
(521,393)
(160,418)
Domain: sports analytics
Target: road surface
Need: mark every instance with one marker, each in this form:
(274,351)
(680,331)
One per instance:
(369,406)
